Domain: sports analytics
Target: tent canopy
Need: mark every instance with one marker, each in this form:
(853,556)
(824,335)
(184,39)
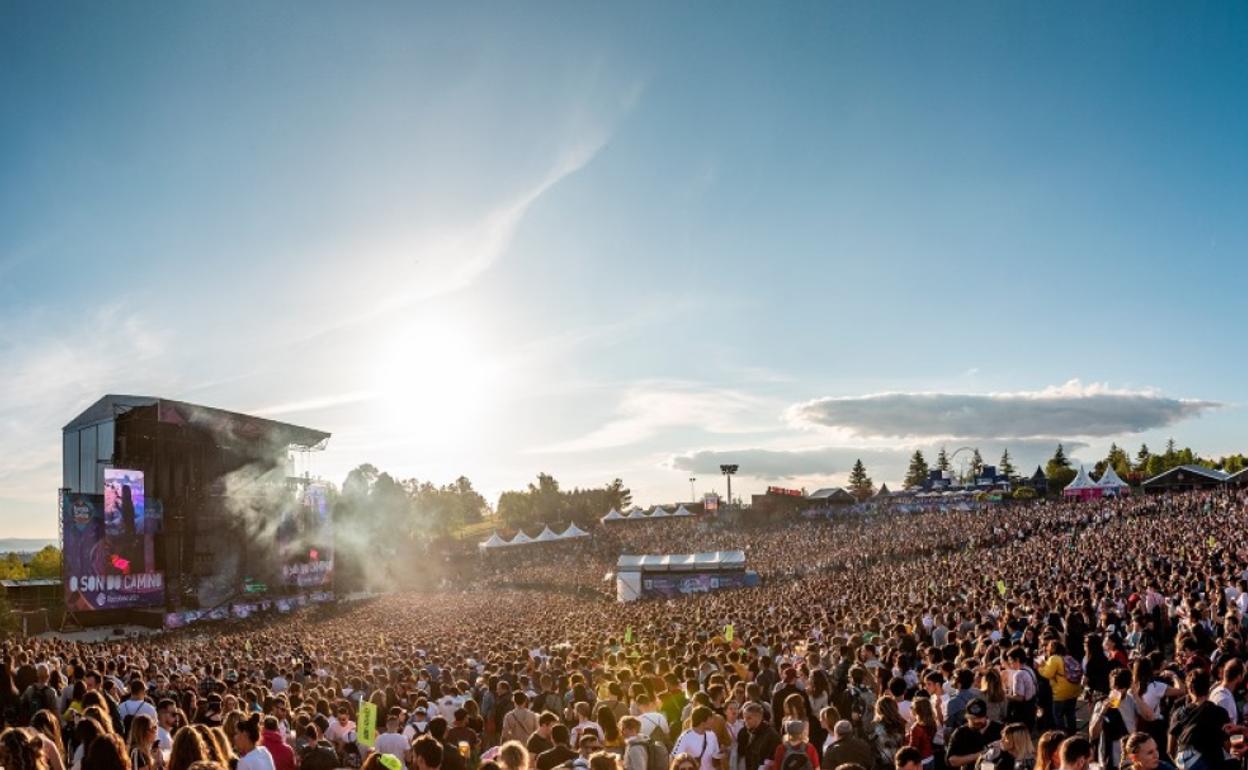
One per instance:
(612,515)
(573,531)
(682,511)
(659,512)
(1082,481)
(520,538)
(1110,479)
(546,536)
(494,541)
(684,562)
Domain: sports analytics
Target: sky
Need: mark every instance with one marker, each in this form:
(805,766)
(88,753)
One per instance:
(629,240)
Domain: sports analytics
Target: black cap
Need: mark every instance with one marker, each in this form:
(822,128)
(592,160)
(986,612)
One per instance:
(977,708)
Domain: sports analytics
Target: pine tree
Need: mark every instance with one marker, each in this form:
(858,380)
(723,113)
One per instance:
(916,474)
(1057,463)
(1005,467)
(859,482)
(942,460)
(977,464)
(1141,459)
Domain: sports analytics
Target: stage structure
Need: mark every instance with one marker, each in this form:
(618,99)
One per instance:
(672,575)
(173,509)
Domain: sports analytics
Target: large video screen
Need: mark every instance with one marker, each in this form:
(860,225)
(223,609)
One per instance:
(109,566)
(305,539)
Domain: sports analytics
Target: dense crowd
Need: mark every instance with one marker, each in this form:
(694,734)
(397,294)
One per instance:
(1043,635)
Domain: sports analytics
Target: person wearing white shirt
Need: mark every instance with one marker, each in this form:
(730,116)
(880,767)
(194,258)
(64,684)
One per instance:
(651,719)
(1224,694)
(392,741)
(280,684)
(251,755)
(699,742)
(135,704)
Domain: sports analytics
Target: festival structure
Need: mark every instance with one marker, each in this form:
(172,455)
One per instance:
(547,535)
(171,511)
(671,575)
(1083,487)
(1110,484)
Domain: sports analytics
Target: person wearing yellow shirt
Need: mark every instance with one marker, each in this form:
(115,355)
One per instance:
(1065,692)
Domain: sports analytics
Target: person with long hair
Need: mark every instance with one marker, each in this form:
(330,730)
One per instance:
(993,689)
(887,731)
(1017,751)
(923,732)
(48,727)
(684,761)
(1048,755)
(512,755)
(605,718)
(141,741)
(108,752)
(188,749)
(251,755)
(85,733)
(21,749)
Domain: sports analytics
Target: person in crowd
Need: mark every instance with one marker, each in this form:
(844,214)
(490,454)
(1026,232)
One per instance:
(511,756)
(273,740)
(1198,736)
(1142,753)
(520,722)
(1064,676)
(251,754)
(21,749)
(848,748)
(970,739)
(758,740)
(107,752)
(1015,752)
(1075,753)
(143,743)
(562,751)
(1048,750)
(795,745)
(699,741)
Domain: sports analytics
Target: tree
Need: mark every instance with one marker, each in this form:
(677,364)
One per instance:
(46,563)
(859,482)
(916,474)
(977,464)
(1024,493)
(1057,464)
(11,567)
(1005,467)
(1141,459)
(942,460)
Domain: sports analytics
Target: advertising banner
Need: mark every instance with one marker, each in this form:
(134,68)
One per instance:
(107,569)
(672,585)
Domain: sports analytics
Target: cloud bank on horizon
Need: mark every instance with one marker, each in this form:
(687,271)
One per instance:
(1071,409)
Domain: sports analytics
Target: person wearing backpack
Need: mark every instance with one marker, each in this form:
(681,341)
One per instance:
(640,752)
(1109,721)
(1065,675)
(39,695)
(795,753)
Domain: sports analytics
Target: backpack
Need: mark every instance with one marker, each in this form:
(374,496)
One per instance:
(795,758)
(658,734)
(1072,669)
(657,757)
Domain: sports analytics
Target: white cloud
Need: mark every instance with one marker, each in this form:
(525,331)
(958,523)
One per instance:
(1072,409)
(648,408)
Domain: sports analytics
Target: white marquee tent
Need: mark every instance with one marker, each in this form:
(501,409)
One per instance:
(1111,483)
(573,531)
(659,512)
(612,515)
(493,542)
(547,536)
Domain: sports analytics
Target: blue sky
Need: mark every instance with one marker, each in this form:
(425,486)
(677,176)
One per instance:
(627,240)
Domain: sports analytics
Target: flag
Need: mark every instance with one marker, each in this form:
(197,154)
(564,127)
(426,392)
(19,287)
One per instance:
(1001,587)
(247,645)
(1212,541)
(628,635)
(729,632)
(366,723)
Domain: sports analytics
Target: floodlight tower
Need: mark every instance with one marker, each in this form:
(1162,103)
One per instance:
(728,470)
(693,496)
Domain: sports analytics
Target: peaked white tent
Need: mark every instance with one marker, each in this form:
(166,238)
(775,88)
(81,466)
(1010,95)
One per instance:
(1111,483)
(612,515)
(682,511)
(494,542)
(573,531)
(659,512)
(546,536)
(1082,486)
(520,539)
(635,513)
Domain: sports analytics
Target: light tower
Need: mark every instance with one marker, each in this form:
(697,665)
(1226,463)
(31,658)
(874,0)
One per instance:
(728,470)
(693,496)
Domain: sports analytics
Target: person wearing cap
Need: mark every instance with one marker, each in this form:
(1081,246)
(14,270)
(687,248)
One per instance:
(848,748)
(969,740)
(418,725)
(795,739)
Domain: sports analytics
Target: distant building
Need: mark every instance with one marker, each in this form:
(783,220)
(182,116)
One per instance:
(1186,477)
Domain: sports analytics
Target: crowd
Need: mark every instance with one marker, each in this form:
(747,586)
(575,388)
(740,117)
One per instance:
(1043,635)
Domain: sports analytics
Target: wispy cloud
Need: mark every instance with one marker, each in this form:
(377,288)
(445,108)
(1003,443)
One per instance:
(314,404)
(648,408)
(1072,409)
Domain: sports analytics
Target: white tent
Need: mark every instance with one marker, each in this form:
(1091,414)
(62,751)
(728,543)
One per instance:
(635,513)
(547,536)
(612,515)
(1082,480)
(659,512)
(520,538)
(682,511)
(1111,482)
(494,542)
(573,531)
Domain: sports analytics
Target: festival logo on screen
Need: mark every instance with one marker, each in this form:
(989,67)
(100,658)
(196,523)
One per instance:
(305,540)
(107,569)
